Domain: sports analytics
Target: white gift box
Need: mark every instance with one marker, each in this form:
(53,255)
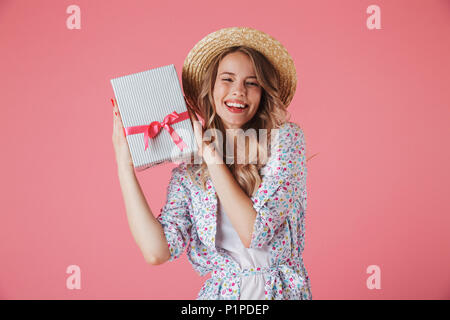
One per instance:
(155,117)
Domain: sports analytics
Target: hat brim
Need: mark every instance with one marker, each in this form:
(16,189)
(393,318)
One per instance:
(211,45)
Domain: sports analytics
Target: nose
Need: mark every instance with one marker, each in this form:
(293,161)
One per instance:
(239,89)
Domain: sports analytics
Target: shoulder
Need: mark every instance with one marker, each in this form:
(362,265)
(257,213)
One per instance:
(180,174)
(290,133)
(184,174)
(288,150)
(290,138)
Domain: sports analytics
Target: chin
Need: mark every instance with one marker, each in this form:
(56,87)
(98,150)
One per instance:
(235,123)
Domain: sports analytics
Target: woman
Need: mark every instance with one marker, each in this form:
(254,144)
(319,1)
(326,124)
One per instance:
(239,217)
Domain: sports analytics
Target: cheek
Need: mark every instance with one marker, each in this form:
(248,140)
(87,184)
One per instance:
(218,93)
(256,97)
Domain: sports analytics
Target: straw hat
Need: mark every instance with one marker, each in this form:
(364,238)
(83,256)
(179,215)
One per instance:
(206,49)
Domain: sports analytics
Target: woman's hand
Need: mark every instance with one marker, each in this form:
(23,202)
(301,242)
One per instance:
(205,150)
(120,144)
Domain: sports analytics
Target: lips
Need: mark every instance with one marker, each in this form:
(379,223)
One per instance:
(236,102)
(236,110)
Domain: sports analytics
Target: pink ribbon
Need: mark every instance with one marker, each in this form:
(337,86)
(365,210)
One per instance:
(155,127)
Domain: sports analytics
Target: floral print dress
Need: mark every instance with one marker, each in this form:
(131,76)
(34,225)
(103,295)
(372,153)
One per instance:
(189,220)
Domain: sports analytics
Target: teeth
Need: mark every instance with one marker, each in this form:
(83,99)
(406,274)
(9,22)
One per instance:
(237,105)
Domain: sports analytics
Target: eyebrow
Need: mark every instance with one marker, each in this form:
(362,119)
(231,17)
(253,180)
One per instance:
(226,72)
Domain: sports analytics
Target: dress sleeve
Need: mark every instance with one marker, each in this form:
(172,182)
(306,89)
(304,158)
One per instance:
(174,216)
(283,189)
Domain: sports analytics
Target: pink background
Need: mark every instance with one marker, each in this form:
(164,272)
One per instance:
(374,105)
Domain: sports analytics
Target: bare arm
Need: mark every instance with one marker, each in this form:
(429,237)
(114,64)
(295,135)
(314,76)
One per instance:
(146,229)
(238,206)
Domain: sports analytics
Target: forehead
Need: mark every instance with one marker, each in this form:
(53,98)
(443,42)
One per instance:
(238,63)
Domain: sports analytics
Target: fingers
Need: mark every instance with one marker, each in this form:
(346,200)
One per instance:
(115,109)
(117,118)
(114,115)
(198,135)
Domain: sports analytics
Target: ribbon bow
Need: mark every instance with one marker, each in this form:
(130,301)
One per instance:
(151,130)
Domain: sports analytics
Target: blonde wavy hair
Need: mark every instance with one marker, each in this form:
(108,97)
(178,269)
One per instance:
(271,114)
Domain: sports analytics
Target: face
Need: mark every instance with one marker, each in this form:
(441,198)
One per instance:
(236,86)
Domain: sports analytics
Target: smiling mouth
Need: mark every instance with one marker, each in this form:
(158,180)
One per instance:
(235,108)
